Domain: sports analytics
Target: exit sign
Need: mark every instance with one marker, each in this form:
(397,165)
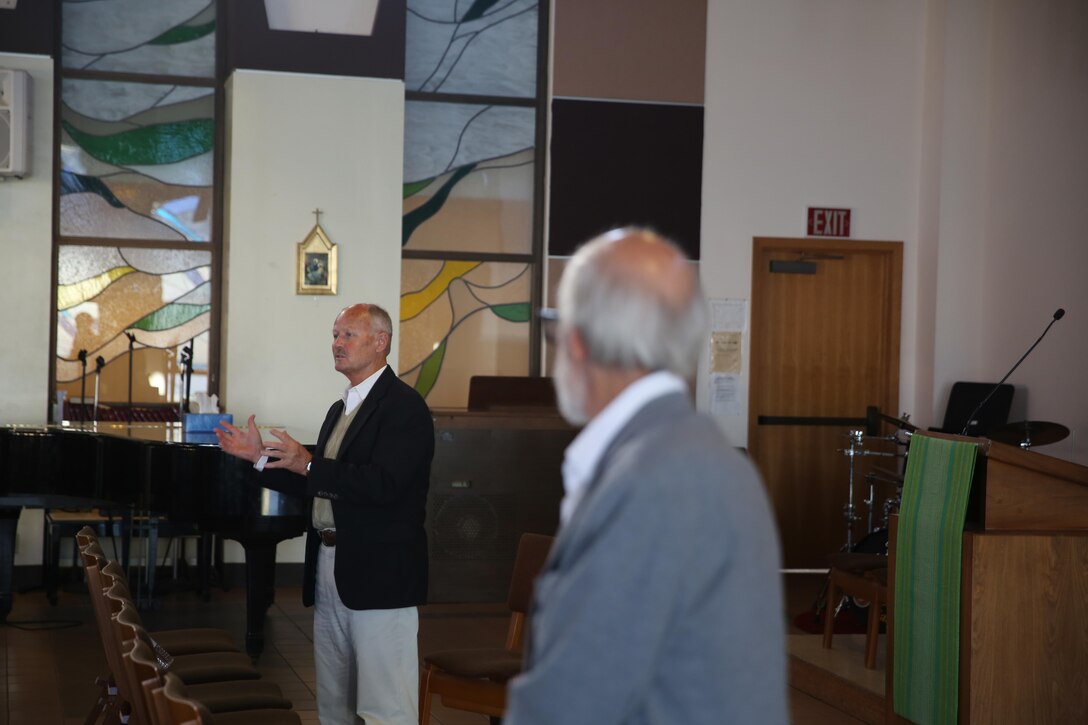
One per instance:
(824,222)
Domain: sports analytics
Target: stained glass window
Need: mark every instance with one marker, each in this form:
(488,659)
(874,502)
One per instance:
(136,160)
(136,198)
(484,47)
(163,38)
(472,222)
(462,318)
(468,177)
(161,297)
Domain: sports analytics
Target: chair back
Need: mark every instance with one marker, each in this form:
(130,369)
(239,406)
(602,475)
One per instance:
(111,646)
(122,632)
(85,536)
(144,671)
(965,397)
(175,707)
(532,553)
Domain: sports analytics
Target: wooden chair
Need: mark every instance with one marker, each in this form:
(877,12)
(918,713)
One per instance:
(191,668)
(59,524)
(218,697)
(102,574)
(174,706)
(866,579)
(475,679)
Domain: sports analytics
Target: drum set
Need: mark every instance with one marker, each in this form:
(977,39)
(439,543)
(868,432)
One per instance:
(1025,434)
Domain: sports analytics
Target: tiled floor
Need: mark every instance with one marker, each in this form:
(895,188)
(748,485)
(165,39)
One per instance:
(50,656)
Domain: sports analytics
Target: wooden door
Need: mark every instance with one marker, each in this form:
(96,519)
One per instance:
(824,347)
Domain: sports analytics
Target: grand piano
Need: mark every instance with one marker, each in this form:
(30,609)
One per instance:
(495,475)
(151,469)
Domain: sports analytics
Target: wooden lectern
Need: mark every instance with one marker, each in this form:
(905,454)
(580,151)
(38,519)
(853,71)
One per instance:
(1024,591)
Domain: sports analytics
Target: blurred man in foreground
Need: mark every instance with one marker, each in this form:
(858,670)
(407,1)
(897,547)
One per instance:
(661,601)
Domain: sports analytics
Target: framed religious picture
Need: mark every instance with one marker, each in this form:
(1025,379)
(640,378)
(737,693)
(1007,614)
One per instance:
(316,272)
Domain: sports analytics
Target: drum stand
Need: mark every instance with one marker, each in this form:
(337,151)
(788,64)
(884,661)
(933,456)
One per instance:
(854,449)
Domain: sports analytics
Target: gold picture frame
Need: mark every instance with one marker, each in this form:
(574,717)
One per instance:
(317,264)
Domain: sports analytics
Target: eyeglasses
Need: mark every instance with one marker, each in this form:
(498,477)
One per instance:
(549,323)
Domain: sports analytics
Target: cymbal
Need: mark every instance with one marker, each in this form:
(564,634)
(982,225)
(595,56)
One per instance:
(899,423)
(1026,433)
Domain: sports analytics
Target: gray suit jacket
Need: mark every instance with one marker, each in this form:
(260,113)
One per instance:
(661,600)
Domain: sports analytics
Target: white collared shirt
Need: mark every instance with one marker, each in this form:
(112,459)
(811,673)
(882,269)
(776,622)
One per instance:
(584,453)
(354,396)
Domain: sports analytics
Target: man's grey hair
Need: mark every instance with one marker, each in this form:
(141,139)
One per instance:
(625,322)
(380,321)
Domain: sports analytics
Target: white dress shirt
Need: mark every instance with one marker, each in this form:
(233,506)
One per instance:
(354,396)
(584,453)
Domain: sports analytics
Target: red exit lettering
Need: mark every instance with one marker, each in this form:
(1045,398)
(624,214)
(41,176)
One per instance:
(824,222)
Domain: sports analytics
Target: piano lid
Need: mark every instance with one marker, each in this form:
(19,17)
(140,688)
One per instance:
(159,432)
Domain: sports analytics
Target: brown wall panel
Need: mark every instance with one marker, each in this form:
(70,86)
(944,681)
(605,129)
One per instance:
(644,50)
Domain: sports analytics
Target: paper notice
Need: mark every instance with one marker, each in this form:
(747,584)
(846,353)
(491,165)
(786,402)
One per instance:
(728,314)
(725,352)
(725,394)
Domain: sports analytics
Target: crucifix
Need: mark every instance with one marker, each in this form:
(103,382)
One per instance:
(317,216)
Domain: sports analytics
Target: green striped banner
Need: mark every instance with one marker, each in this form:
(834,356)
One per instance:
(936,484)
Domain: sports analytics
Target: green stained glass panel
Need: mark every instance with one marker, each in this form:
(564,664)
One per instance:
(136,161)
(469,176)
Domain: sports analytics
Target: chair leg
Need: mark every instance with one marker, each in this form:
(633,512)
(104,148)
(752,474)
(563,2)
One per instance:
(872,633)
(52,556)
(425,696)
(829,613)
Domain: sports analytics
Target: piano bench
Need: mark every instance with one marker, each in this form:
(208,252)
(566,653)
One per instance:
(65,523)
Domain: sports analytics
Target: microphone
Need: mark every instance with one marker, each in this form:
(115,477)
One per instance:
(1058,314)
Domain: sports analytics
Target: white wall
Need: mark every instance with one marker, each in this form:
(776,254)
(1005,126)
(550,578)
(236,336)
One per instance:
(956,126)
(1014,236)
(26,224)
(809,103)
(296,143)
(26,228)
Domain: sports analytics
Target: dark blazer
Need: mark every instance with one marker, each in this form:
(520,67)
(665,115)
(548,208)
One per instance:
(378,488)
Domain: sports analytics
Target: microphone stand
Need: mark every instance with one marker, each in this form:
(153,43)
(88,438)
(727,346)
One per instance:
(83,386)
(131,352)
(1058,314)
(99,363)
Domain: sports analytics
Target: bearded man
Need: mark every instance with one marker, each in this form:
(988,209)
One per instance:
(661,600)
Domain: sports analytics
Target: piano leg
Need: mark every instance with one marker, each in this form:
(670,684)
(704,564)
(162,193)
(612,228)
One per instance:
(260,588)
(9,520)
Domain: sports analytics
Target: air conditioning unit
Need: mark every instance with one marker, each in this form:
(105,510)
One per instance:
(14,122)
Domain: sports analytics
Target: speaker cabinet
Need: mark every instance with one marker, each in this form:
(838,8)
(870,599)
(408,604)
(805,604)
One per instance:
(14,122)
(493,478)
